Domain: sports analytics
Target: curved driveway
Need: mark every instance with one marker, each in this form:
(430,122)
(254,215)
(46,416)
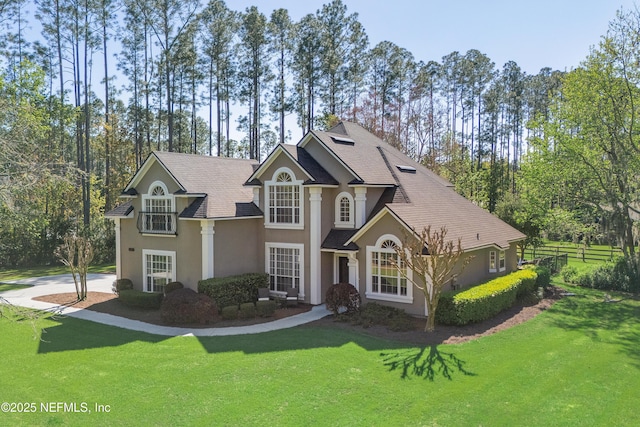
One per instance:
(102,283)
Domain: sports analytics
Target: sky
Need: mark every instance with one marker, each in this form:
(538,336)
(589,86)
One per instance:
(533,33)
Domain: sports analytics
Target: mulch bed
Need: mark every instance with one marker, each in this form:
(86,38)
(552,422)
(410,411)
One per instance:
(108,303)
(444,334)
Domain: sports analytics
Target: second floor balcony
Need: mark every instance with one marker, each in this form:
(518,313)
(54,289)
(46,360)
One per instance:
(158,223)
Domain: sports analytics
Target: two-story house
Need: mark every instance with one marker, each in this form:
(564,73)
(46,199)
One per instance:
(329,209)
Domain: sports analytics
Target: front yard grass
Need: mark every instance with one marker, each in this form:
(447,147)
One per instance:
(49,270)
(575,364)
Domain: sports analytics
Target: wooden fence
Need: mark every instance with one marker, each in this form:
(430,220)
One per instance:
(588,254)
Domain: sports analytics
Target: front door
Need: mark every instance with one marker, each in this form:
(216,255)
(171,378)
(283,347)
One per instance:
(343,269)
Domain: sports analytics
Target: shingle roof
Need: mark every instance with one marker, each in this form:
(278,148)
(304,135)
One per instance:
(120,211)
(309,164)
(336,239)
(220,178)
(419,197)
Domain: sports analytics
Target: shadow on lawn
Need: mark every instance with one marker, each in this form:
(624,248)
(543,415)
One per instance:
(427,362)
(75,334)
(616,322)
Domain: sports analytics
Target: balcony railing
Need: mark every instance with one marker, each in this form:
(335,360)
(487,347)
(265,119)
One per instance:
(157,222)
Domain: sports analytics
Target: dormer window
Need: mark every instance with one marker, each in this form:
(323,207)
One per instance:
(158,216)
(344,215)
(284,201)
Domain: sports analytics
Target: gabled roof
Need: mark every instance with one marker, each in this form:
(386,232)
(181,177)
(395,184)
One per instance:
(318,173)
(315,174)
(417,197)
(217,179)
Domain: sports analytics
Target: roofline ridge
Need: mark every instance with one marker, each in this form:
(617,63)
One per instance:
(393,174)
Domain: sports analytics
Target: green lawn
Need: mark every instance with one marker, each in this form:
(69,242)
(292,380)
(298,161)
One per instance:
(10,287)
(22,273)
(576,364)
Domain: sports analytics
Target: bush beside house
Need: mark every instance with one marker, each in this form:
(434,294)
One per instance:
(139,299)
(234,290)
(484,301)
(343,295)
(120,285)
(184,305)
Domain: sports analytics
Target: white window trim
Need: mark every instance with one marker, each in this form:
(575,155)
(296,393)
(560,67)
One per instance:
(146,252)
(344,224)
(273,182)
(267,263)
(172,207)
(502,261)
(498,258)
(493,257)
(407,299)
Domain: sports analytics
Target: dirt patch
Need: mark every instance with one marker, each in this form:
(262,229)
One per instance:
(103,302)
(108,303)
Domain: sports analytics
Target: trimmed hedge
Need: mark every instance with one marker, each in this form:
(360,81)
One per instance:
(247,310)
(234,290)
(229,313)
(121,285)
(134,298)
(266,308)
(374,314)
(187,306)
(484,301)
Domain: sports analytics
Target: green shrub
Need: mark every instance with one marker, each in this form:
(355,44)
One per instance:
(376,314)
(234,290)
(568,273)
(229,313)
(583,278)
(172,286)
(484,301)
(121,285)
(343,295)
(187,306)
(247,310)
(266,308)
(544,275)
(134,298)
(614,276)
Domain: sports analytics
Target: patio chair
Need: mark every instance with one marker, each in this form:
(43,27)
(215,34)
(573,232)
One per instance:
(263,294)
(292,296)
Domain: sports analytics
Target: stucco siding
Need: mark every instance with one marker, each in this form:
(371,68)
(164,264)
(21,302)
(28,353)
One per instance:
(475,272)
(237,247)
(156,173)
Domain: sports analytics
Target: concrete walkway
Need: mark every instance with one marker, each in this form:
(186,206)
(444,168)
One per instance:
(102,283)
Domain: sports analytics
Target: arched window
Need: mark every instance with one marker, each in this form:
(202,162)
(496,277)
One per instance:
(157,216)
(284,202)
(386,274)
(344,211)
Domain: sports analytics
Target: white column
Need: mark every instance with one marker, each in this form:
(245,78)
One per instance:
(361,206)
(116,227)
(207,232)
(353,270)
(315,229)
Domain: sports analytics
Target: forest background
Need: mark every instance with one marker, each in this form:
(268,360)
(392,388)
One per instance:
(553,153)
